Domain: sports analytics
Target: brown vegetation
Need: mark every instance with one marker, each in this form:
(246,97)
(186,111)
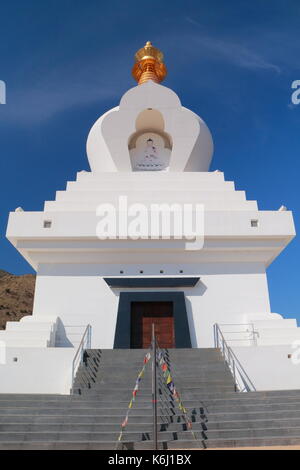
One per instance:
(16,296)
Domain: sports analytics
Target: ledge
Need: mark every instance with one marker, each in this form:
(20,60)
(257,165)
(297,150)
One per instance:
(151,281)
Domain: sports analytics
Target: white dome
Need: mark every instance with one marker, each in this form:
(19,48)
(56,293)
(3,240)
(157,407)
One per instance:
(149,108)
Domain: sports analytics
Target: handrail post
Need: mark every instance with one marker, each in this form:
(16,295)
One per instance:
(233,362)
(215,336)
(80,352)
(233,365)
(89,337)
(154,388)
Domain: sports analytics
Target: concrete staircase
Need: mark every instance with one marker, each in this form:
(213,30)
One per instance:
(91,418)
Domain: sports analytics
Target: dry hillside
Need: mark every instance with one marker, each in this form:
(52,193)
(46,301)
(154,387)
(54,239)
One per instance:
(16,296)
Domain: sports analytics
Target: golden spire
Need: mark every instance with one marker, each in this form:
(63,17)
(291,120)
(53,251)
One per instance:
(149,65)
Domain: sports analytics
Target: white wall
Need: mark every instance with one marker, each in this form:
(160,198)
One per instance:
(269,367)
(37,370)
(78,295)
(226,294)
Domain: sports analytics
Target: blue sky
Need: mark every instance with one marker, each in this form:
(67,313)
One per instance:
(65,62)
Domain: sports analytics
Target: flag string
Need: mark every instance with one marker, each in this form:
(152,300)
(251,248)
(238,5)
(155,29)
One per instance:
(134,394)
(173,390)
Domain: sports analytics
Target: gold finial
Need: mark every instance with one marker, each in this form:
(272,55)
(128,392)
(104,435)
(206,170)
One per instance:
(149,64)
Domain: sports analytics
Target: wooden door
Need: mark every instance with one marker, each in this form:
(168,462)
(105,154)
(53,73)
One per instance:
(143,314)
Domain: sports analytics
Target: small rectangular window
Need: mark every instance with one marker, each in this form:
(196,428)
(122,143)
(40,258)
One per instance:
(254,223)
(47,223)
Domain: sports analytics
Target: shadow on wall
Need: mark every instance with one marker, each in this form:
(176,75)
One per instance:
(191,322)
(199,289)
(61,339)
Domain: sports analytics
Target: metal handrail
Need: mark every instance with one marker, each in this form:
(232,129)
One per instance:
(172,391)
(85,343)
(253,333)
(241,379)
(154,388)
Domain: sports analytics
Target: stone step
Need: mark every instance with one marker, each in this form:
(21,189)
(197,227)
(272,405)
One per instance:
(99,405)
(139,354)
(214,405)
(55,445)
(252,433)
(144,412)
(193,367)
(225,443)
(246,416)
(133,436)
(94,428)
(231,398)
(100,411)
(89,419)
(208,428)
(272,422)
(185,393)
(225,408)
(130,361)
(174,352)
(148,445)
(185,374)
(221,413)
(187,371)
(88,436)
(285,394)
(146,386)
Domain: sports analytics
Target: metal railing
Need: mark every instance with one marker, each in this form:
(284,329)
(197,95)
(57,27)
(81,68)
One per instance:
(166,395)
(239,333)
(85,343)
(241,379)
(154,388)
(136,389)
(69,336)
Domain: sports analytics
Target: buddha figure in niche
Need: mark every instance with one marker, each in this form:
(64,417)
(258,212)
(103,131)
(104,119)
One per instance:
(150,153)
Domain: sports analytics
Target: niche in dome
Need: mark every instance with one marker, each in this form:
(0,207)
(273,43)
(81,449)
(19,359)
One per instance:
(150,147)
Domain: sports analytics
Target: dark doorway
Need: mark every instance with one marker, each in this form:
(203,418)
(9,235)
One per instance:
(143,315)
(123,326)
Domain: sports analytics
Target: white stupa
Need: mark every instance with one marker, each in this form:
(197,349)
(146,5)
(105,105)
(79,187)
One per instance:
(147,155)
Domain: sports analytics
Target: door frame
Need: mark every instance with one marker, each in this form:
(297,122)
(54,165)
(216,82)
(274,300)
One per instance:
(181,325)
